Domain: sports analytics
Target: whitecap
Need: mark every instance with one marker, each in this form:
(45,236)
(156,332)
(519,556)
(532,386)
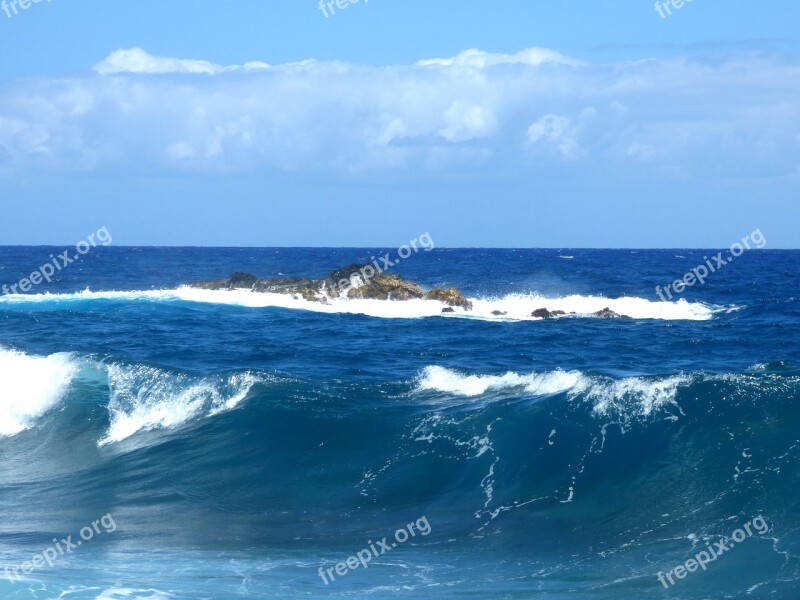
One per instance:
(513,307)
(30,386)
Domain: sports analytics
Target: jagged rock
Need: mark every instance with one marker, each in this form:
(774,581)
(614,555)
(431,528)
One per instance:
(369,283)
(448,309)
(387,287)
(242,280)
(543,313)
(607,313)
(306,288)
(452,297)
(364,273)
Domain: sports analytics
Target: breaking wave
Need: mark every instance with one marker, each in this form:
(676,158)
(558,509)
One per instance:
(143,398)
(140,397)
(628,396)
(31,386)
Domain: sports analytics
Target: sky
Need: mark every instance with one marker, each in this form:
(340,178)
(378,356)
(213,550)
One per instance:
(522,123)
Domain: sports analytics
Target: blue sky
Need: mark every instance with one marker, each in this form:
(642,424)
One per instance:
(517,123)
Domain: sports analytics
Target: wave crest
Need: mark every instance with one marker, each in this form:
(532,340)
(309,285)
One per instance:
(628,397)
(143,398)
(440,379)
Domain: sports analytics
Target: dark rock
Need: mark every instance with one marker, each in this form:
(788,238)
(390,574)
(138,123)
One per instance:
(216,284)
(306,288)
(452,297)
(543,313)
(365,272)
(448,309)
(242,280)
(499,313)
(607,313)
(369,283)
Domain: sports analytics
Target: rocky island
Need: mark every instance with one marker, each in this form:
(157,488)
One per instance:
(365,282)
(354,282)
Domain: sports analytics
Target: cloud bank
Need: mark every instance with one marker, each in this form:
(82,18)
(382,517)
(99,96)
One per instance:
(733,117)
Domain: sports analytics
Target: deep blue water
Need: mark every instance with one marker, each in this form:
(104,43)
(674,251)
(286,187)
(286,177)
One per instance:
(239,448)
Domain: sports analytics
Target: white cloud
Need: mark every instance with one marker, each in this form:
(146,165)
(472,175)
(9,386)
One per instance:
(466,121)
(555,130)
(477,59)
(137,61)
(476,110)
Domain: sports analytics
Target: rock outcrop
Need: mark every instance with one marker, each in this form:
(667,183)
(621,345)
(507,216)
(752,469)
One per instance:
(363,282)
(607,313)
(543,313)
(356,281)
(452,297)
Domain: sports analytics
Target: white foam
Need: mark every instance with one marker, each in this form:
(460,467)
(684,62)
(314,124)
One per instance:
(630,396)
(446,380)
(518,307)
(30,386)
(144,398)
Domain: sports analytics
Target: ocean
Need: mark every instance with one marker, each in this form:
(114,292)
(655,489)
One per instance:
(208,444)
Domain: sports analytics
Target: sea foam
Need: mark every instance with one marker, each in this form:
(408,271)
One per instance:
(516,307)
(629,396)
(30,386)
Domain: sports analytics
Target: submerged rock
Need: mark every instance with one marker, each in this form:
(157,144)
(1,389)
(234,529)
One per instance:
(448,309)
(499,313)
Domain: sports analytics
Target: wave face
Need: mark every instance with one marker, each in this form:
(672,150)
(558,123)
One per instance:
(248,445)
(512,457)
